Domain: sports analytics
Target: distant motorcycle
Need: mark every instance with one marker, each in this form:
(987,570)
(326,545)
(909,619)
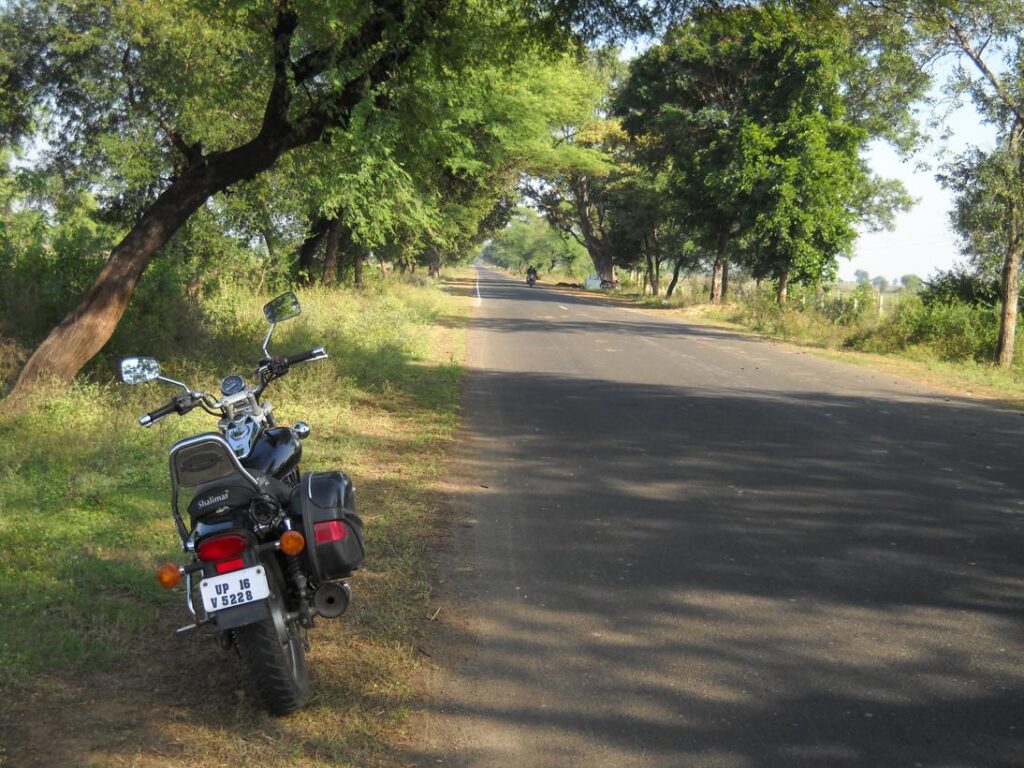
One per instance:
(268,546)
(531,280)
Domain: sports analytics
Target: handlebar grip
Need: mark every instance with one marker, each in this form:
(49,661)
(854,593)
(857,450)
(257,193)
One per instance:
(301,357)
(155,415)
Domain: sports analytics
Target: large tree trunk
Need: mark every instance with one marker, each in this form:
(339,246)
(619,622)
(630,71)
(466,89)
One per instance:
(331,252)
(1010,295)
(308,249)
(594,238)
(358,256)
(718,272)
(781,294)
(675,278)
(1009,287)
(90,325)
(652,271)
(716,281)
(725,281)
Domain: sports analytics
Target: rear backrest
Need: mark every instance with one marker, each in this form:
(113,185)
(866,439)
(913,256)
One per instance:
(204,459)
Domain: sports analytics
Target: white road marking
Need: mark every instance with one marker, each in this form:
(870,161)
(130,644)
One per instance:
(479,298)
(562,306)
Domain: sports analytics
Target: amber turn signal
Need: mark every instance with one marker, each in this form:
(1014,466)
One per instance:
(169,575)
(292,542)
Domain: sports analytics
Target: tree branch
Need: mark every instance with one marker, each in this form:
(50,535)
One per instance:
(965,45)
(276,114)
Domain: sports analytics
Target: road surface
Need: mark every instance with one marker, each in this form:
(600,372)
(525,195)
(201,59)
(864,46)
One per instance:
(676,546)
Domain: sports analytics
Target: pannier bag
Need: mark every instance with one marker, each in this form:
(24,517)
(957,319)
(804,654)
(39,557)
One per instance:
(326,504)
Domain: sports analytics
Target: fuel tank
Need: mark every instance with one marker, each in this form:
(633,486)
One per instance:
(276,452)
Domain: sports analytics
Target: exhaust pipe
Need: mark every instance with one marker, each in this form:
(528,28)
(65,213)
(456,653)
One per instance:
(331,599)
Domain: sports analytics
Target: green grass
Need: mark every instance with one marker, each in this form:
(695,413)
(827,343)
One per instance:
(84,517)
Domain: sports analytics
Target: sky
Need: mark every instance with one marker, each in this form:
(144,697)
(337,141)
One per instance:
(923,240)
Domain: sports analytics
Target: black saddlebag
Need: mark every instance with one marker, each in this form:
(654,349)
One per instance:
(325,504)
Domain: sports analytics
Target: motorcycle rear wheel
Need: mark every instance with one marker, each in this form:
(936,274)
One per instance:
(278,669)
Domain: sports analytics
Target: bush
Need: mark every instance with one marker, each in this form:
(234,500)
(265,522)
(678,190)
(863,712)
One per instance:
(960,286)
(953,331)
(851,310)
(960,331)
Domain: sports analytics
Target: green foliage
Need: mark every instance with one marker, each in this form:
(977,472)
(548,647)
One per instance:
(911,283)
(52,245)
(850,310)
(960,285)
(988,193)
(743,109)
(951,330)
(529,240)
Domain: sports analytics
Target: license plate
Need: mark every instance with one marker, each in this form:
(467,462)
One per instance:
(236,588)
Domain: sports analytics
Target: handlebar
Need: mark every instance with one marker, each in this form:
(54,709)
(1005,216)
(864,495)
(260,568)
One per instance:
(269,370)
(301,357)
(180,404)
(275,367)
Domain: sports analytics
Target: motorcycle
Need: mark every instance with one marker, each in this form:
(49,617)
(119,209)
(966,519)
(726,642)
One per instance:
(268,546)
(531,279)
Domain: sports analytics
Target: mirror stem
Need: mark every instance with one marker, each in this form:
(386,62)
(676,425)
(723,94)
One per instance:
(266,341)
(175,382)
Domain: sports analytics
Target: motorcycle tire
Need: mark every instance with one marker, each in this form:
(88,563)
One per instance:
(278,670)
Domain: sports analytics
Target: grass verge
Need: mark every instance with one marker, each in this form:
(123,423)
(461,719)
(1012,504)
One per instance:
(91,672)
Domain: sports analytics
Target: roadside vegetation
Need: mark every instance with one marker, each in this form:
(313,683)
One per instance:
(946,339)
(85,631)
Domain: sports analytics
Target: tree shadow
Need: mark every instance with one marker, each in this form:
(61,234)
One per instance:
(673,576)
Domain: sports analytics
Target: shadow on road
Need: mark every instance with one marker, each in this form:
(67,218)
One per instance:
(761,578)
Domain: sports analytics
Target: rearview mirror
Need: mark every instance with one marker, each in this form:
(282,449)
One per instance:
(284,307)
(139,370)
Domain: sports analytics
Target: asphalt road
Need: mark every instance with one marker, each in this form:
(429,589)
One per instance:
(682,547)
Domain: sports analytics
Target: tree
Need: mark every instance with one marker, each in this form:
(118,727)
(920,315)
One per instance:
(744,109)
(880,283)
(911,283)
(987,39)
(572,189)
(989,197)
(527,239)
(296,76)
(863,277)
(163,106)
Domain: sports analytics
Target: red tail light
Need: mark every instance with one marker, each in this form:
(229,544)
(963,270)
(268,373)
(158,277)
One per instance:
(332,530)
(222,547)
(227,566)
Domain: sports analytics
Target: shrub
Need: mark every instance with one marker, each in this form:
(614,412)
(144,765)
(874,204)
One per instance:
(957,285)
(953,331)
(853,309)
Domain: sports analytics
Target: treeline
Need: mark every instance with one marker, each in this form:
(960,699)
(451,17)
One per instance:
(267,143)
(736,144)
(281,142)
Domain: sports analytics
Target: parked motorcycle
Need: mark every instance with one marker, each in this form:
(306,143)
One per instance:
(268,546)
